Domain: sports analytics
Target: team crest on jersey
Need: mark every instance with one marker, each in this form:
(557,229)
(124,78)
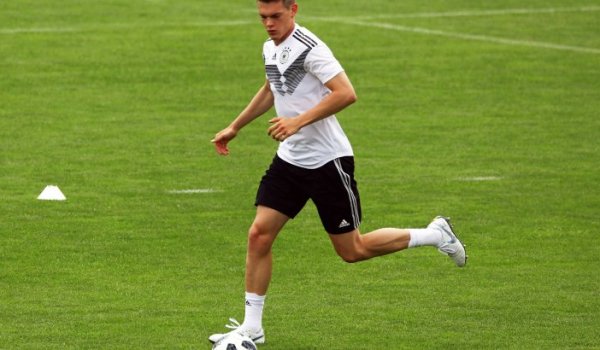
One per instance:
(285,55)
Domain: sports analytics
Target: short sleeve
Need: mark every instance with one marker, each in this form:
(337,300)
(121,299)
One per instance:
(322,64)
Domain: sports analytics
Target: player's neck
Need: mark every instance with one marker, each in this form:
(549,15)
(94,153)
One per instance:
(287,35)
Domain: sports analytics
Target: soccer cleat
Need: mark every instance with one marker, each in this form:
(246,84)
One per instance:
(258,337)
(450,244)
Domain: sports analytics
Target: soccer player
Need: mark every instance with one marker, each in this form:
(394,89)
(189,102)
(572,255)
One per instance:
(314,160)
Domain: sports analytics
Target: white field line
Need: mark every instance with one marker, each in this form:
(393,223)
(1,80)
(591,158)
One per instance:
(480,178)
(117,26)
(38,30)
(221,23)
(467,13)
(484,38)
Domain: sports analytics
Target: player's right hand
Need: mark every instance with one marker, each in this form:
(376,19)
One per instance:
(222,138)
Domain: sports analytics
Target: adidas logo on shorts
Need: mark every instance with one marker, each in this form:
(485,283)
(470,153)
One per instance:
(344,223)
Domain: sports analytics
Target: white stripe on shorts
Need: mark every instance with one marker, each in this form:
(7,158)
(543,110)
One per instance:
(347,181)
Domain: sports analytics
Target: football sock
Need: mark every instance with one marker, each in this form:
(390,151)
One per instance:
(254,311)
(423,237)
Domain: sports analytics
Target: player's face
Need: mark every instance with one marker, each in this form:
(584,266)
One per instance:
(277,19)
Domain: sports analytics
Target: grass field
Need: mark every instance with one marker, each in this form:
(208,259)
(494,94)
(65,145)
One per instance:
(483,111)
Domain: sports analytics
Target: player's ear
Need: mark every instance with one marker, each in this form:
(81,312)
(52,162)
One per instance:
(294,9)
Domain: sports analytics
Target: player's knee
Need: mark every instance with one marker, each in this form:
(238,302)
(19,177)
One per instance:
(350,247)
(259,239)
(352,256)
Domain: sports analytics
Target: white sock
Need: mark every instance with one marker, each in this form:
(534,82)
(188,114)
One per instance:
(423,237)
(254,311)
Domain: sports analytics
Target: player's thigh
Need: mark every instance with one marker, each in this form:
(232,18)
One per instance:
(282,188)
(336,197)
(268,221)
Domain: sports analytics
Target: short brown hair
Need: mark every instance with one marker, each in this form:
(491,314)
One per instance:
(286,3)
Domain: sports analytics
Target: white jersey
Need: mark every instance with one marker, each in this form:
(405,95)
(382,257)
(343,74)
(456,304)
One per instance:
(297,70)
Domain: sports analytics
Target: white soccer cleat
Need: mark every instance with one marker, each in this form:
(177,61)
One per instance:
(257,336)
(450,244)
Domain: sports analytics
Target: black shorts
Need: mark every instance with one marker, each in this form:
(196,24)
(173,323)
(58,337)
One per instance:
(286,188)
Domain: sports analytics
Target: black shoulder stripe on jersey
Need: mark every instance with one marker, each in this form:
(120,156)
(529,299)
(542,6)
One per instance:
(308,38)
(303,40)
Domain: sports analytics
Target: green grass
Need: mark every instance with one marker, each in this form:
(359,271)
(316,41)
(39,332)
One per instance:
(116,102)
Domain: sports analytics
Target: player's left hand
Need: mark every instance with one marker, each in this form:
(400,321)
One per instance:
(282,128)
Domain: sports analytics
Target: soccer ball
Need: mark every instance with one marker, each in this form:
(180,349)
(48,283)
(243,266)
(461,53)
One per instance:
(235,341)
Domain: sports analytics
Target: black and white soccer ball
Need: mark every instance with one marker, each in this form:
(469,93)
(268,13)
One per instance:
(235,341)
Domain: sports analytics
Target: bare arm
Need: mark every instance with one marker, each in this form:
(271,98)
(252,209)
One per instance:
(342,95)
(259,105)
